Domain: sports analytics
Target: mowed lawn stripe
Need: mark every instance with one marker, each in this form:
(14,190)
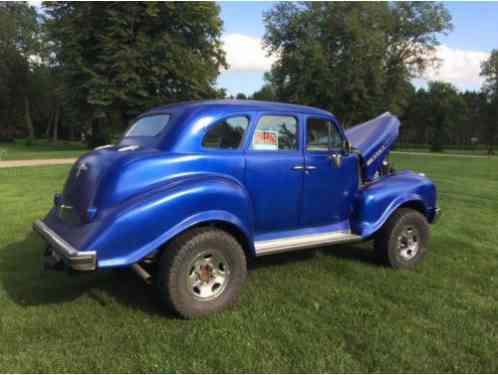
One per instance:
(329,309)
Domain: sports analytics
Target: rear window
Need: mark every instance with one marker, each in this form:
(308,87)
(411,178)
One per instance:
(148,126)
(227,134)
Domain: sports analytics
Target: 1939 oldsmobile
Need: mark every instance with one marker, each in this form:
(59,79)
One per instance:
(197,188)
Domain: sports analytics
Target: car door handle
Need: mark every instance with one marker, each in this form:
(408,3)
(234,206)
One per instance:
(298,168)
(336,160)
(310,168)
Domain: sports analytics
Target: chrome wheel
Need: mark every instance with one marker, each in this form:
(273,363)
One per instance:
(408,243)
(208,275)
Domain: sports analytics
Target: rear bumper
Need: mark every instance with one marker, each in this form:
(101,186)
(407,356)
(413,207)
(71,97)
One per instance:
(72,257)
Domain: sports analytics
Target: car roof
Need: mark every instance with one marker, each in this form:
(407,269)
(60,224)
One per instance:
(238,105)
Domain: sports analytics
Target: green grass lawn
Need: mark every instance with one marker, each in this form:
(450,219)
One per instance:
(451,151)
(334,309)
(41,149)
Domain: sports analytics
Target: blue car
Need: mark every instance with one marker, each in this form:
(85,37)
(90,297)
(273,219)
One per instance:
(193,190)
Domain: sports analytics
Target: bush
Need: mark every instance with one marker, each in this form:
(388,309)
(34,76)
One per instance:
(29,142)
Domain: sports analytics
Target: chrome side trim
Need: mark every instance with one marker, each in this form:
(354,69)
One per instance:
(302,242)
(77,260)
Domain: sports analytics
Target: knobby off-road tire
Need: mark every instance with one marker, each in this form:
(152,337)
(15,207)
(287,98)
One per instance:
(201,272)
(402,241)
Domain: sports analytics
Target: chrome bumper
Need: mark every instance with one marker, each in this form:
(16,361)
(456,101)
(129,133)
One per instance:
(76,260)
(437,215)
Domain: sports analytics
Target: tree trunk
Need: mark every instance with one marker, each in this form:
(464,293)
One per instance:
(56,125)
(71,130)
(29,123)
(49,126)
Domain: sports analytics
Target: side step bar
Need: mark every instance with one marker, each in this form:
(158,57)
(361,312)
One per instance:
(281,245)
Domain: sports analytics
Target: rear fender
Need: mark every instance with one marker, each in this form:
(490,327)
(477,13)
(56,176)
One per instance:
(376,202)
(141,225)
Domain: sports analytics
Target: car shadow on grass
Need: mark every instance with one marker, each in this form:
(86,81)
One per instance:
(362,253)
(28,284)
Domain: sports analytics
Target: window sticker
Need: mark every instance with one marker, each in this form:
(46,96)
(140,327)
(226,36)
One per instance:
(265,140)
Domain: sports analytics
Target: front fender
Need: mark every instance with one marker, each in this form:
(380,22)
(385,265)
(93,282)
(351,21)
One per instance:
(376,202)
(136,228)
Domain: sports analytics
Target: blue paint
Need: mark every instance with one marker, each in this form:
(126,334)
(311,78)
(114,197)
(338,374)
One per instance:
(374,139)
(128,204)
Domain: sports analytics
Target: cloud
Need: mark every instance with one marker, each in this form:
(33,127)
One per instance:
(458,66)
(246,54)
(35,3)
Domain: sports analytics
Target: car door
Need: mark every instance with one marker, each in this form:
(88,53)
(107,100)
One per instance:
(330,177)
(274,172)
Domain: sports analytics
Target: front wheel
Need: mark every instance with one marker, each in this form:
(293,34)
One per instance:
(201,272)
(402,241)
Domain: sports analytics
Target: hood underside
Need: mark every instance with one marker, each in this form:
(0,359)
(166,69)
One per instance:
(373,140)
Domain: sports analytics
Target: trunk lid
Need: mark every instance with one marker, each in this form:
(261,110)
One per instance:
(86,176)
(374,140)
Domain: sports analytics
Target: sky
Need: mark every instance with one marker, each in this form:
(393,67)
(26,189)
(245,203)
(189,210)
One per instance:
(474,35)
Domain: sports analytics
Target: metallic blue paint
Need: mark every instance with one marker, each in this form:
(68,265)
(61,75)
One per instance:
(375,202)
(374,139)
(127,204)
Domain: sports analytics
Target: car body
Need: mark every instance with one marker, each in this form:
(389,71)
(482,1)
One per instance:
(276,177)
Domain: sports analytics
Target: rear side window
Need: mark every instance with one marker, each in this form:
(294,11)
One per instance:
(227,134)
(148,126)
(275,133)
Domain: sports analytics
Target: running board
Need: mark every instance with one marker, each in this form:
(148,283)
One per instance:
(302,242)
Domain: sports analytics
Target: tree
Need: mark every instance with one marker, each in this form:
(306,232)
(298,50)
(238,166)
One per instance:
(489,70)
(267,92)
(353,58)
(444,109)
(241,96)
(20,46)
(119,59)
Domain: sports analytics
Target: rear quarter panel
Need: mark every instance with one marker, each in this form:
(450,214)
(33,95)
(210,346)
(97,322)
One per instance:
(140,225)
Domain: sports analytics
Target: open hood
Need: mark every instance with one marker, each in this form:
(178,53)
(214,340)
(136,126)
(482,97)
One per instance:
(373,140)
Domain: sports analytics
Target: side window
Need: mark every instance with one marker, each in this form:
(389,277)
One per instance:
(322,135)
(275,133)
(227,134)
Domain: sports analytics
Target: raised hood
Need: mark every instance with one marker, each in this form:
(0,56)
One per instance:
(373,140)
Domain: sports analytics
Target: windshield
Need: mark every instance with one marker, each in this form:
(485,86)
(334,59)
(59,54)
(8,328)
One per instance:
(148,126)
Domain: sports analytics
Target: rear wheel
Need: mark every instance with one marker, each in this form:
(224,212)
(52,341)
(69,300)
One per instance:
(201,272)
(402,241)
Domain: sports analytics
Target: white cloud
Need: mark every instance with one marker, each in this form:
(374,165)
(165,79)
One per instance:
(35,3)
(458,66)
(246,54)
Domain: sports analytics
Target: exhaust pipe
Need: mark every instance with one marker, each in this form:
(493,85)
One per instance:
(140,271)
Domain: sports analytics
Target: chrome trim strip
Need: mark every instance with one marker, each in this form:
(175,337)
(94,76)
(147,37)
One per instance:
(77,260)
(302,242)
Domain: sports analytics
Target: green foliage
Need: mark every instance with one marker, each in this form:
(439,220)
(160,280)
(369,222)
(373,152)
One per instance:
(353,58)
(120,59)
(29,141)
(444,106)
(20,43)
(489,70)
(268,91)
(265,93)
